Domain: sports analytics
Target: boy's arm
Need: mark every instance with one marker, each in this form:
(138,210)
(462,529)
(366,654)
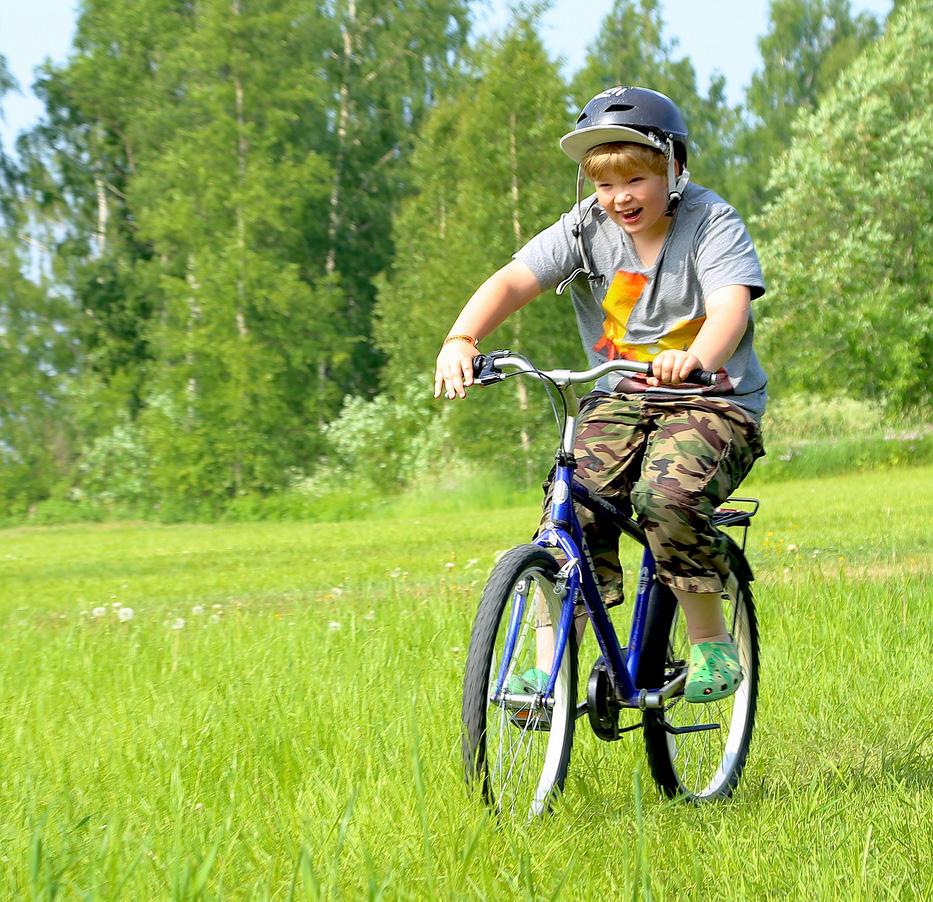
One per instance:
(726,321)
(504,292)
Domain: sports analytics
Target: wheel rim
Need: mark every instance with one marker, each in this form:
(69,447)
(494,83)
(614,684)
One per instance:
(704,762)
(524,761)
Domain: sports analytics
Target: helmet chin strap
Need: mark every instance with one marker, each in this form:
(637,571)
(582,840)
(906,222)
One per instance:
(587,268)
(676,185)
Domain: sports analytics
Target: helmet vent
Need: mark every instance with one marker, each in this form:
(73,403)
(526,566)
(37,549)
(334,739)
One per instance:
(619,107)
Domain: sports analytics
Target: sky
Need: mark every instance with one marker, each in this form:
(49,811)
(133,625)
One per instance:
(717,36)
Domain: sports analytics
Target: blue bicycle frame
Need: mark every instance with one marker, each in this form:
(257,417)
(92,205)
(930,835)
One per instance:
(562,531)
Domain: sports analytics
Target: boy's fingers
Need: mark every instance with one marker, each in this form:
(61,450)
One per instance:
(467,371)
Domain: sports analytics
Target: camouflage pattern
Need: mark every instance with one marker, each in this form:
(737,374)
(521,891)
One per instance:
(672,462)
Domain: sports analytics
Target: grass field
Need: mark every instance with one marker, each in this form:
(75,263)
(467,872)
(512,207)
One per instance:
(252,711)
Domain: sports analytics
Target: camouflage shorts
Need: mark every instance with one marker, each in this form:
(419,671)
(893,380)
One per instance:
(672,462)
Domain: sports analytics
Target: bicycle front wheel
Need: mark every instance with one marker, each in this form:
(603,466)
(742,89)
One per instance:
(515,748)
(706,760)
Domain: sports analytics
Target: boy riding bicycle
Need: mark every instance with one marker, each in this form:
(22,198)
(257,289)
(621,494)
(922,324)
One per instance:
(659,270)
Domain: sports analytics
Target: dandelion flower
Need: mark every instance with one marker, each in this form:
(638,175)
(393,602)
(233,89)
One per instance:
(98,612)
(215,618)
(198,610)
(124,614)
(333,625)
(336,591)
(449,565)
(178,623)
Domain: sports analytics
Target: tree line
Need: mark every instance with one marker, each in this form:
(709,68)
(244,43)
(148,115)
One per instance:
(232,244)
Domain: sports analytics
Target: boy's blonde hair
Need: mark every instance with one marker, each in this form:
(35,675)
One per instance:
(622,158)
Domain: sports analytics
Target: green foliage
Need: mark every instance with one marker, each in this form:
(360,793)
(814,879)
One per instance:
(35,427)
(219,190)
(116,470)
(809,416)
(851,259)
(489,176)
(808,44)
(384,443)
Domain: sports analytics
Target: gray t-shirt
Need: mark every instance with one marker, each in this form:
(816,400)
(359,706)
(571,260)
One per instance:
(634,311)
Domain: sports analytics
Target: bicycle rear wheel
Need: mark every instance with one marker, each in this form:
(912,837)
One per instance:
(703,764)
(514,748)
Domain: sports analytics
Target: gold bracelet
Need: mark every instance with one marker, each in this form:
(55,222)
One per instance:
(468,338)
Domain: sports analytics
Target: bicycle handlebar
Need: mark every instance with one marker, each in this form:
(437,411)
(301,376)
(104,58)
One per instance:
(488,368)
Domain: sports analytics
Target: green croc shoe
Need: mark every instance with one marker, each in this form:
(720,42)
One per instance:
(531,682)
(714,671)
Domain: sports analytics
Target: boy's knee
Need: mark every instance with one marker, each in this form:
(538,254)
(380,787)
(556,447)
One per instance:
(652,499)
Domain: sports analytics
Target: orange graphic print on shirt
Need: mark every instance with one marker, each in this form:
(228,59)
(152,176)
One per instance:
(620,301)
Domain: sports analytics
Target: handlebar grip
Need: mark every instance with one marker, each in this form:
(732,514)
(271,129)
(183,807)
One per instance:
(484,369)
(702,377)
(695,377)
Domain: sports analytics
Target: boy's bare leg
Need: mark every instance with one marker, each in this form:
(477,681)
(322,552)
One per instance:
(544,635)
(703,611)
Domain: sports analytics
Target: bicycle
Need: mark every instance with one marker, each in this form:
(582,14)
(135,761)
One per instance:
(516,742)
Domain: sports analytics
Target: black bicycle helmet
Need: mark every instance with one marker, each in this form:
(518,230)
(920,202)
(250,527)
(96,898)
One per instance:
(637,115)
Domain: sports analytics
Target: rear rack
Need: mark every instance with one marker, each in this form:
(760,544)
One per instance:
(737,516)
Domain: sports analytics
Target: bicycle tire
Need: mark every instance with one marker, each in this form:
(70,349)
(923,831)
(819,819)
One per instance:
(708,764)
(516,755)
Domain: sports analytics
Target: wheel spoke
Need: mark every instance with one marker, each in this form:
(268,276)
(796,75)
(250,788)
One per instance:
(707,763)
(527,745)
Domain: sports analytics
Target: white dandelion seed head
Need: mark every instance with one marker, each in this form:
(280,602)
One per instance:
(178,623)
(215,618)
(334,625)
(336,591)
(198,610)
(98,612)
(449,565)
(124,614)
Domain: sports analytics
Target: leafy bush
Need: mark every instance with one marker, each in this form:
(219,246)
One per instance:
(115,470)
(385,443)
(805,416)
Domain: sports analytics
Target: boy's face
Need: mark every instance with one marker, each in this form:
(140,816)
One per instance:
(635,201)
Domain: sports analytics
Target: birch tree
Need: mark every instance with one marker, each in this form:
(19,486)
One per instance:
(488,176)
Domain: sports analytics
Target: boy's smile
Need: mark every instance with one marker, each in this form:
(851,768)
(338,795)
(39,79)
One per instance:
(635,201)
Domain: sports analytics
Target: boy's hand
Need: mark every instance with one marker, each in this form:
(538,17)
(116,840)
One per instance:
(454,369)
(673,367)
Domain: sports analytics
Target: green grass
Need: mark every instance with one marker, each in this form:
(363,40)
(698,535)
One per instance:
(298,736)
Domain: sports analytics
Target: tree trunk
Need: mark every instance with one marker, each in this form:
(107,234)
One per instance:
(243,414)
(103,214)
(343,119)
(194,317)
